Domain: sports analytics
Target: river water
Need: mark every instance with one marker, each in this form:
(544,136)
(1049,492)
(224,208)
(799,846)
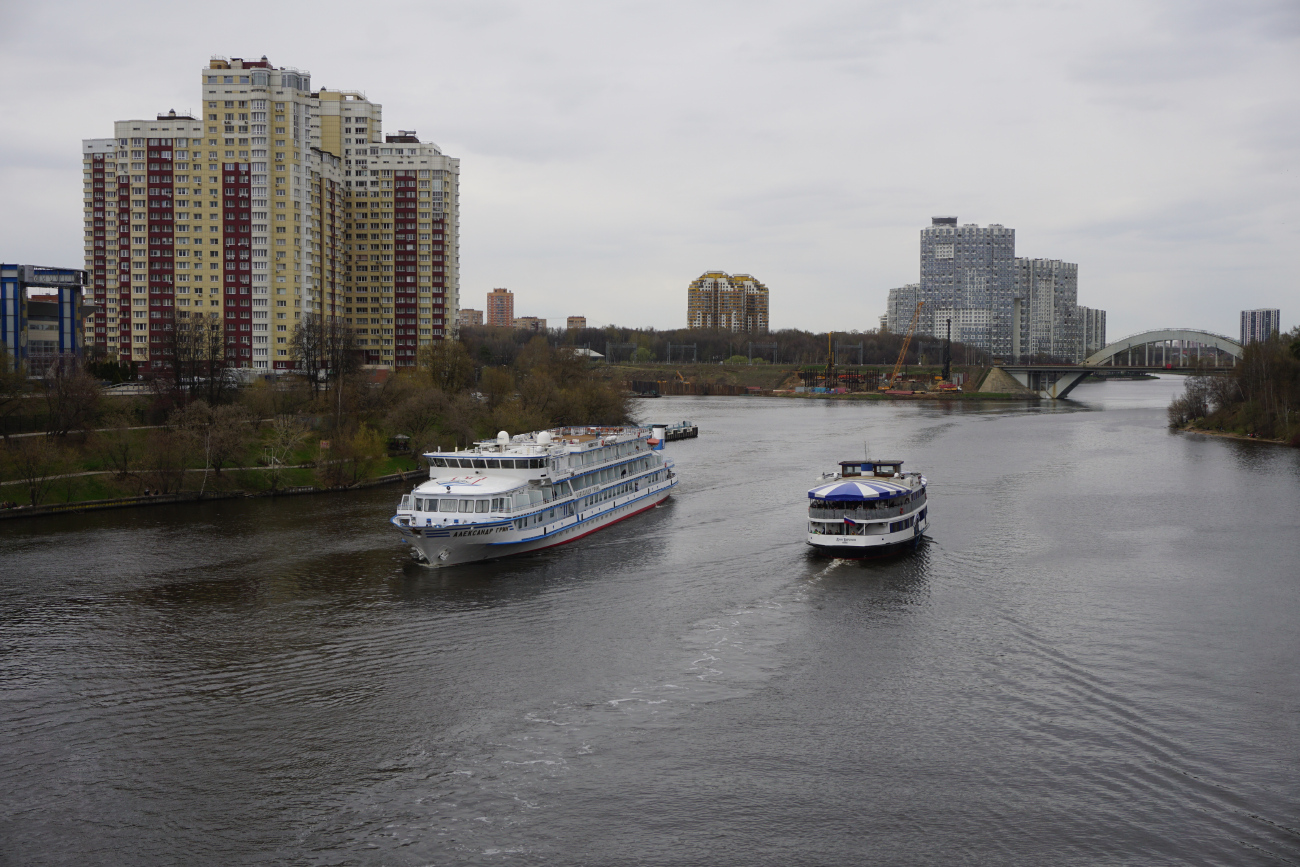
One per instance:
(1093,660)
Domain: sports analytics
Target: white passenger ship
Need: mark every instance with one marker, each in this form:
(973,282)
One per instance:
(868,508)
(523,493)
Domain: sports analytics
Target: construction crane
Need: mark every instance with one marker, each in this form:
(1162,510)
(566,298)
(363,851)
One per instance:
(907,340)
(831,380)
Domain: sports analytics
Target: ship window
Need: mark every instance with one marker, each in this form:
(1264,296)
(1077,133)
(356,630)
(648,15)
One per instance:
(466,464)
(534,497)
(521,500)
(481,505)
(493,464)
(446,505)
(440,462)
(480,464)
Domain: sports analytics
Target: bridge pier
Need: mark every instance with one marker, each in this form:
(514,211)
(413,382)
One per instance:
(1046,382)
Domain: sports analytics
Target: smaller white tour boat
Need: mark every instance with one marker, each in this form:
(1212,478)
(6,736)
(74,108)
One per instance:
(867,509)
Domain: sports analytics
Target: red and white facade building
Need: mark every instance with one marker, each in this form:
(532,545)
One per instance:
(272,202)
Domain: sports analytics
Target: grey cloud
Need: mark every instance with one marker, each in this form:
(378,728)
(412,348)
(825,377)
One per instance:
(611,152)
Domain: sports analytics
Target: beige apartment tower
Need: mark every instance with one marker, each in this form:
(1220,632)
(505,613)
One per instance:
(273,201)
(726,302)
(575,322)
(500,310)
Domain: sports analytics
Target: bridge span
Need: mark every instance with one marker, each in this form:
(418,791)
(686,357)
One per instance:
(1176,350)
(1176,347)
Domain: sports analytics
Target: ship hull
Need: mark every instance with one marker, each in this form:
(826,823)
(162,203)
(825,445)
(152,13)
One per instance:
(864,552)
(440,547)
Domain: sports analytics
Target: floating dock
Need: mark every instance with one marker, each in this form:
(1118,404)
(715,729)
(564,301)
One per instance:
(682,430)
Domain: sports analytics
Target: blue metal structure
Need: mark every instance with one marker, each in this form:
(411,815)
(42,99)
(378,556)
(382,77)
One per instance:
(38,331)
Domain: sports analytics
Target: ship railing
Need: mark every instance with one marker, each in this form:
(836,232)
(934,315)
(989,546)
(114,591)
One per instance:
(883,514)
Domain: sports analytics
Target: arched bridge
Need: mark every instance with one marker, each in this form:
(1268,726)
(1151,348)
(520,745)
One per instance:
(1181,350)
(1174,347)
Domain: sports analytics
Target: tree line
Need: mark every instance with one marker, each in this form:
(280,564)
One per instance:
(332,420)
(1260,397)
(494,346)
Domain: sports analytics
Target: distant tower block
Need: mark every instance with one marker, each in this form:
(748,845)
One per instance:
(576,322)
(501,308)
(726,302)
(1260,325)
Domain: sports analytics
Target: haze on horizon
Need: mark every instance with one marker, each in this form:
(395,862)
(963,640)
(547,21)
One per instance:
(612,152)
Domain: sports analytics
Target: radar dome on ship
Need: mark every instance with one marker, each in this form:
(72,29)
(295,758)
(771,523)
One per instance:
(544,438)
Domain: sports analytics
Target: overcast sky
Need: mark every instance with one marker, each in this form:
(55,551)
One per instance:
(611,152)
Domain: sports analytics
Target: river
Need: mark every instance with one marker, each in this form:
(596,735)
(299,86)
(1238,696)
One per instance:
(1092,660)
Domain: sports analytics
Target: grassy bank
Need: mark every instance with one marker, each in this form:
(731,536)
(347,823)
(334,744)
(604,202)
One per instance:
(334,432)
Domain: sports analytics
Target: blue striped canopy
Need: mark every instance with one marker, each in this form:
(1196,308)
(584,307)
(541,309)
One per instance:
(842,491)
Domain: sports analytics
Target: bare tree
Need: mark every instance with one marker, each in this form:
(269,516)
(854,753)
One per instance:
(341,360)
(286,434)
(36,461)
(165,457)
(309,350)
(418,416)
(13,387)
(497,385)
(218,433)
(184,345)
(448,365)
(118,446)
(71,396)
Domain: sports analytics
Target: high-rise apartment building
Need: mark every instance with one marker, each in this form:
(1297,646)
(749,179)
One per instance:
(1005,305)
(274,202)
(969,267)
(1094,330)
(1048,290)
(469,317)
(1259,325)
(530,323)
(500,310)
(726,302)
(576,322)
(901,306)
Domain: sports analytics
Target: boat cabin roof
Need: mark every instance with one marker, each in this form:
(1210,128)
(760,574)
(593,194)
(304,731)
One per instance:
(873,467)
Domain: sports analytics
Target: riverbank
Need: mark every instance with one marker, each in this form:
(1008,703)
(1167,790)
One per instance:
(939,396)
(197,497)
(1230,435)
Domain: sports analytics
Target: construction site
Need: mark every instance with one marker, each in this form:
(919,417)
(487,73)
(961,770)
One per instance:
(918,371)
